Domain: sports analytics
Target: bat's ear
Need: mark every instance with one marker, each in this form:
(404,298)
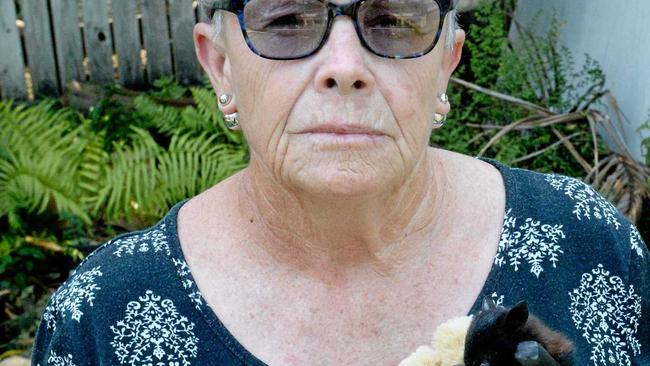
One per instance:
(488,303)
(517,316)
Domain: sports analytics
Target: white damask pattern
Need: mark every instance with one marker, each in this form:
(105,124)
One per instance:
(153,239)
(588,202)
(531,242)
(184,272)
(635,240)
(55,360)
(152,332)
(498,300)
(80,289)
(608,313)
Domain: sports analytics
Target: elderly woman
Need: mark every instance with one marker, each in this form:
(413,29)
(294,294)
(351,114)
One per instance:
(347,240)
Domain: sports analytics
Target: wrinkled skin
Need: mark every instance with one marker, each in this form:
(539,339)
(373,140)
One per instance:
(321,203)
(343,82)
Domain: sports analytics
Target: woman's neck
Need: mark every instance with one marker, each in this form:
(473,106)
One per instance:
(327,237)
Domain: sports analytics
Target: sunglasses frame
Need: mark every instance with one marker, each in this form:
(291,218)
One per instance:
(237,7)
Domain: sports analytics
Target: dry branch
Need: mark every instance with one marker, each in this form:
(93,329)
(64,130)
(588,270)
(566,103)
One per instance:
(617,176)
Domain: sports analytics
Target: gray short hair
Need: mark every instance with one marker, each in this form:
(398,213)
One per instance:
(217,22)
(214,17)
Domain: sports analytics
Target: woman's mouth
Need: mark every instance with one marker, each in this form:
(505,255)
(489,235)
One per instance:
(343,134)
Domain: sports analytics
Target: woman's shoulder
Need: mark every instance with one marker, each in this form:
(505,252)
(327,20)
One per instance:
(579,262)
(123,283)
(144,259)
(553,208)
(548,194)
(554,217)
(133,250)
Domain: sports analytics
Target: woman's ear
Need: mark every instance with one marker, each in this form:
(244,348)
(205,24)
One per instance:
(455,55)
(451,59)
(214,60)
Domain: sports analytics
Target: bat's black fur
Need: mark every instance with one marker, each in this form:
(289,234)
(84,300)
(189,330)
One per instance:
(495,332)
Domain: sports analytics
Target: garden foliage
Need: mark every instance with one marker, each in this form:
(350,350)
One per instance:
(70,181)
(536,69)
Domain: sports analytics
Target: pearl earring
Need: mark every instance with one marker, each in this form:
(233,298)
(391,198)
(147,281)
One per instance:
(232,120)
(225,99)
(439,119)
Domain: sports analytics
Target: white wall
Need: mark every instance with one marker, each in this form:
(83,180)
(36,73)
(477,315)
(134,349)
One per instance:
(617,34)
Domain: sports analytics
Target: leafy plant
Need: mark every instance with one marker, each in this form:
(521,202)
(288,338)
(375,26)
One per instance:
(645,143)
(40,151)
(55,160)
(69,182)
(144,179)
(167,88)
(534,69)
(28,266)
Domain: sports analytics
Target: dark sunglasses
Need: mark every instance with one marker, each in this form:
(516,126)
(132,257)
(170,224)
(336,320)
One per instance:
(294,29)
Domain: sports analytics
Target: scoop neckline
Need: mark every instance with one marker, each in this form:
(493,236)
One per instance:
(242,353)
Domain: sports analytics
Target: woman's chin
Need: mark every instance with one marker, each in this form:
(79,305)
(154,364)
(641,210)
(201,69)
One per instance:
(341,183)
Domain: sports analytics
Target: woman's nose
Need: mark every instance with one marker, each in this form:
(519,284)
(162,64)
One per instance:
(343,68)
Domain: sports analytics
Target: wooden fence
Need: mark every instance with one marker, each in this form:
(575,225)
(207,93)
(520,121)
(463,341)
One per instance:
(44,44)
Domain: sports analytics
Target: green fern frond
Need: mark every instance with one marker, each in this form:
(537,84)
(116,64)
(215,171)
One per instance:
(91,173)
(130,176)
(193,164)
(39,154)
(164,119)
(144,180)
(50,161)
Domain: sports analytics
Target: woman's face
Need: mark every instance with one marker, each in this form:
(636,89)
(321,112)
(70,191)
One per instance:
(341,122)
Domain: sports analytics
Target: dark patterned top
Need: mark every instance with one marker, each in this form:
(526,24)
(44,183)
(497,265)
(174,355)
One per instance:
(580,264)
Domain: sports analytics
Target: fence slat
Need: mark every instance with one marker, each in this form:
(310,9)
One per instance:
(97,37)
(62,45)
(182,18)
(40,51)
(156,38)
(127,43)
(12,69)
(67,35)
